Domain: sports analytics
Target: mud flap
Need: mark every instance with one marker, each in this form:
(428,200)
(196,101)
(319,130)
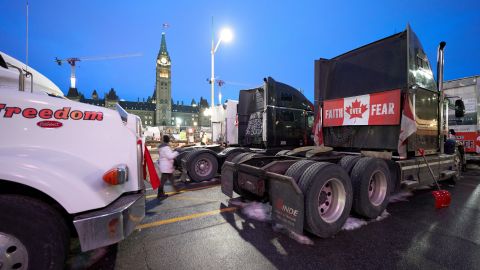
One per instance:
(287,202)
(226,178)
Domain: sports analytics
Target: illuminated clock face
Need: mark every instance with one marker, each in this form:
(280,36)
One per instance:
(163,60)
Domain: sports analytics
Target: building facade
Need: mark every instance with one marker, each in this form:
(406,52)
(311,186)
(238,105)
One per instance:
(159,109)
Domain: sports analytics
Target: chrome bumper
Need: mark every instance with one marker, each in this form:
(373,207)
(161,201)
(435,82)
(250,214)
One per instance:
(111,224)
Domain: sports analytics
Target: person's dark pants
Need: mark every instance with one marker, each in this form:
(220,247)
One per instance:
(166,177)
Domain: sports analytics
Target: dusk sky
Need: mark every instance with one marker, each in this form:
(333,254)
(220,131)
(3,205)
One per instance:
(271,38)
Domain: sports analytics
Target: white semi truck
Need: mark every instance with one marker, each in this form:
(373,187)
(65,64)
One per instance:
(467,128)
(67,170)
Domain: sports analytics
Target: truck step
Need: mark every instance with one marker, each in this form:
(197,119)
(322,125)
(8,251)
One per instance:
(409,184)
(447,174)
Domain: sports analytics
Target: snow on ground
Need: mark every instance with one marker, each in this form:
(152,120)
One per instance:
(354,223)
(401,196)
(263,212)
(258,211)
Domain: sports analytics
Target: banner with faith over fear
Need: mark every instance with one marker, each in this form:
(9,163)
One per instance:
(381,108)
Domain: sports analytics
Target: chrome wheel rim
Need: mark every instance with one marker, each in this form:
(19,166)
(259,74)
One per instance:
(13,254)
(203,167)
(377,188)
(331,200)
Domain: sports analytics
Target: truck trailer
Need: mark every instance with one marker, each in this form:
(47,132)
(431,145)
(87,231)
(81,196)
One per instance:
(467,128)
(377,108)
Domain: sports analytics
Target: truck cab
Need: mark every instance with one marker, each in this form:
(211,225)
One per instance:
(274,116)
(67,169)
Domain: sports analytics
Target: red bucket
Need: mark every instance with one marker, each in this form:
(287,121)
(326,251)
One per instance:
(442,198)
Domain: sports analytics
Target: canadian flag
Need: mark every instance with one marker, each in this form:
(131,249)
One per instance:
(317,129)
(408,126)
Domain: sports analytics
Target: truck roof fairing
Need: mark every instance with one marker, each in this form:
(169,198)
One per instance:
(394,62)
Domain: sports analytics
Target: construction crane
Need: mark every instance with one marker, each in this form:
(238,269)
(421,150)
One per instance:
(73,60)
(221,83)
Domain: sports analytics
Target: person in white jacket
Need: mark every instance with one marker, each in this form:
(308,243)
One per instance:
(165,165)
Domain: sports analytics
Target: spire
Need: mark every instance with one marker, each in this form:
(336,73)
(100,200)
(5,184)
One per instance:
(94,94)
(163,47)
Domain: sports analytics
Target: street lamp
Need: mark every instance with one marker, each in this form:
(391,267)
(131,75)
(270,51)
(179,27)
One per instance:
(225,35)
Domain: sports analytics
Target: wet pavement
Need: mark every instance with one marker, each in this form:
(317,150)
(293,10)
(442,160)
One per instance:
(198,229)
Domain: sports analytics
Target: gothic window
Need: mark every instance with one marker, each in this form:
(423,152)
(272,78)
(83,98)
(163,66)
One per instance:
(163,74)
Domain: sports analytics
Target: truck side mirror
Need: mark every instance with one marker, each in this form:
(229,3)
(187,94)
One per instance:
(459,108)
(2,62)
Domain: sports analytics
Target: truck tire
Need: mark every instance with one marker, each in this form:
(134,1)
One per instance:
(371,186)
(298,168)
(32,234)
(395,175)
(348,162)
(328,198)
(178,159)
(232,152)
(201,165)
(237,159)
(244,156)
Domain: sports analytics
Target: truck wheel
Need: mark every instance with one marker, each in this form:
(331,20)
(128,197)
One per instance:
(371,186)
(237,159)
(232,152)
(201,165)
(32,234)
(178,159)
(298,168)
(347,163)
(328,198)
(244,156)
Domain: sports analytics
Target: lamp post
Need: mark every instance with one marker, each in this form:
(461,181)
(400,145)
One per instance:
(225,35)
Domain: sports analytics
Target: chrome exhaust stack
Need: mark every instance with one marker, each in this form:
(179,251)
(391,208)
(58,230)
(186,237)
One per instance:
(443,124)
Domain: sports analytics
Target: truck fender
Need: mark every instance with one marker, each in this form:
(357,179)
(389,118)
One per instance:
(59,175)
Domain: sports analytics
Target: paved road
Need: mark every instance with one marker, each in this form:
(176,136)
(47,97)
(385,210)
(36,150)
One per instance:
(197,229)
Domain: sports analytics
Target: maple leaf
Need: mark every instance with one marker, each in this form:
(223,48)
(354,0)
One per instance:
(356,110)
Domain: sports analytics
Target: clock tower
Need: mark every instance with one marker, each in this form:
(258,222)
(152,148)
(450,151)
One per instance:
(163,87)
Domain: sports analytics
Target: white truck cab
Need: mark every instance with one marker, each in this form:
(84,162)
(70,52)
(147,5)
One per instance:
(67,169)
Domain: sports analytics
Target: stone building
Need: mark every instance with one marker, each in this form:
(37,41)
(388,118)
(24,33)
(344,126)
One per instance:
(159,109)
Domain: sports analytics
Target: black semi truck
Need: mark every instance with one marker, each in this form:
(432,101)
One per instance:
(376,106)
(271,118)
